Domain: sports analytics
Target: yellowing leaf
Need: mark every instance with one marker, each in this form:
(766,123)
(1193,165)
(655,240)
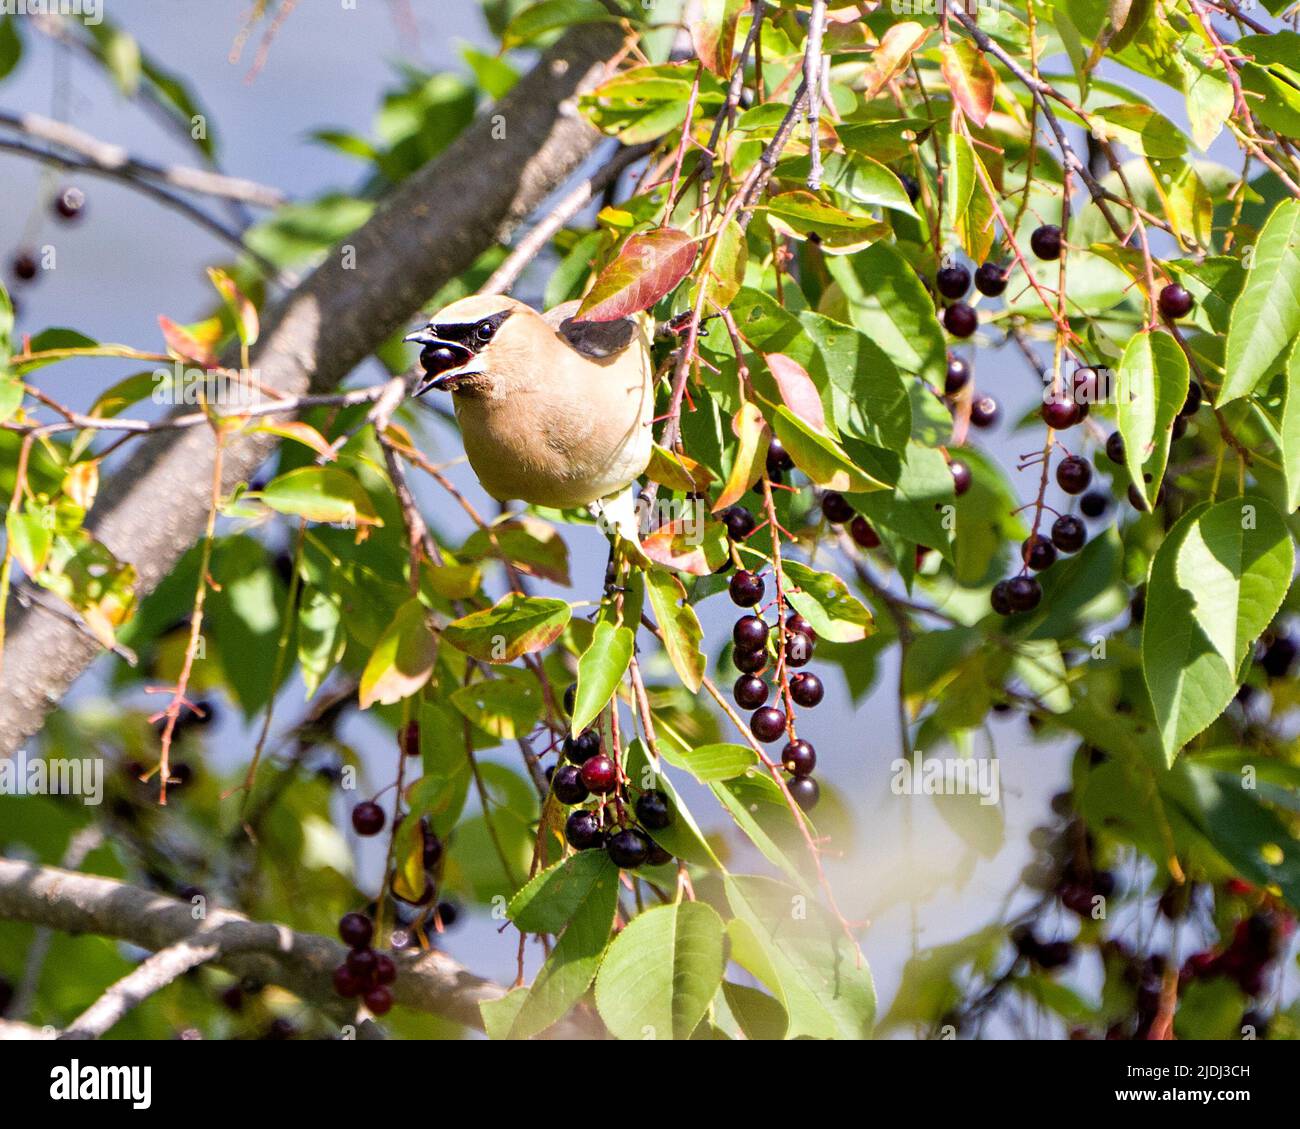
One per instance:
(402,660)
(971,79)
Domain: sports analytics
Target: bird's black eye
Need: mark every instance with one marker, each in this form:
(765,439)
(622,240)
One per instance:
(485,331)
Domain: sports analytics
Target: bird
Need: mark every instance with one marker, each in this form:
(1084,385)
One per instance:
(553,411)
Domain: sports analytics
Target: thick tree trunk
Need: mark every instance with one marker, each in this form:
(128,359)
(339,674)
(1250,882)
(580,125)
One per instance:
(428,231)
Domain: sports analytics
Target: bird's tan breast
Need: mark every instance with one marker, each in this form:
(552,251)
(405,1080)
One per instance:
(563,438)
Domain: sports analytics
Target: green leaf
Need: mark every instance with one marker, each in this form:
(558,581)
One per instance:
(825,601)
(515,625)
(549,16)
(1152,387)
(325,494)
(888,303)
(661,972)
(321,638)
(1266,315)
(11,49)
(793,947)
(571,967)
(1215,584)
(1289,431)
(600,670)
(506,706)
(402,660)
(1142,129)
(762,812)
(680,627)
(801,215)
(819,456)
(725,270)
(30,537)
(716,762)
(855,178)
(550,899)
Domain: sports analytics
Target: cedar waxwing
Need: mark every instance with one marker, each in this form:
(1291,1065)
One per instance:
(553,411)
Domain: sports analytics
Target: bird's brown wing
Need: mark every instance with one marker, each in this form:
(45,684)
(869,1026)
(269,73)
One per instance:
(594,339)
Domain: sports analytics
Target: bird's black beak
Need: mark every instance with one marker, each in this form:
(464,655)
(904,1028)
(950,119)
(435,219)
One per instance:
(439,358)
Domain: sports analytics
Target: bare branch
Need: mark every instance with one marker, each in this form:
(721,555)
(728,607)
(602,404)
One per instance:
(275,954)
(115,160)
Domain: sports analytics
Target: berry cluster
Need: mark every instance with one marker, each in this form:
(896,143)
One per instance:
(364,972)
(753,639)
(585,772)
(1257,941)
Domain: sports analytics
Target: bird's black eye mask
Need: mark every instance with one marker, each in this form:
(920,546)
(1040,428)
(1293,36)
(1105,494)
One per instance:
(474,336)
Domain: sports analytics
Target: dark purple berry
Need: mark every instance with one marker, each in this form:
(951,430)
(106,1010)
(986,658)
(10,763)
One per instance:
(778,458)
(960,319)
(749,661)
(1060,413)
(863,535)
(806,689)
(1175,301)
(1094,504)
(746,588)
(1278,657)
(799,758)
(984,412)
(408,738)
(961,477)
(368,818)
(1073,475)
(750,692)
(346,983)
(628,848)
(1038,552)
(990,279)
(385,969)
(69,203)
(767,724)
(570,698)
(1115,448)
(952,281)
(1024,593)
(582,831)
(568,786)
(379,1001)
(750,633)
(356,930)
(24,266)
(798,649)
(1178,429)
(580,749)
(836,508)
(599,774)
(1000,597)
(805,792)
(1045,242)
(652,811)
(958,376)
(1193,402)
(795,622)
(739,521)
(1068,533)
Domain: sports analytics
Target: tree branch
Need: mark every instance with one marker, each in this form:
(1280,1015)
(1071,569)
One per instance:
(275,954)
(429,230)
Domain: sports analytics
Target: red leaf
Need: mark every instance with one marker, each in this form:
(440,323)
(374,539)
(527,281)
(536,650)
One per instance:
(649,266)
(797,390)
(183,344)
(714,35)
(970,77)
